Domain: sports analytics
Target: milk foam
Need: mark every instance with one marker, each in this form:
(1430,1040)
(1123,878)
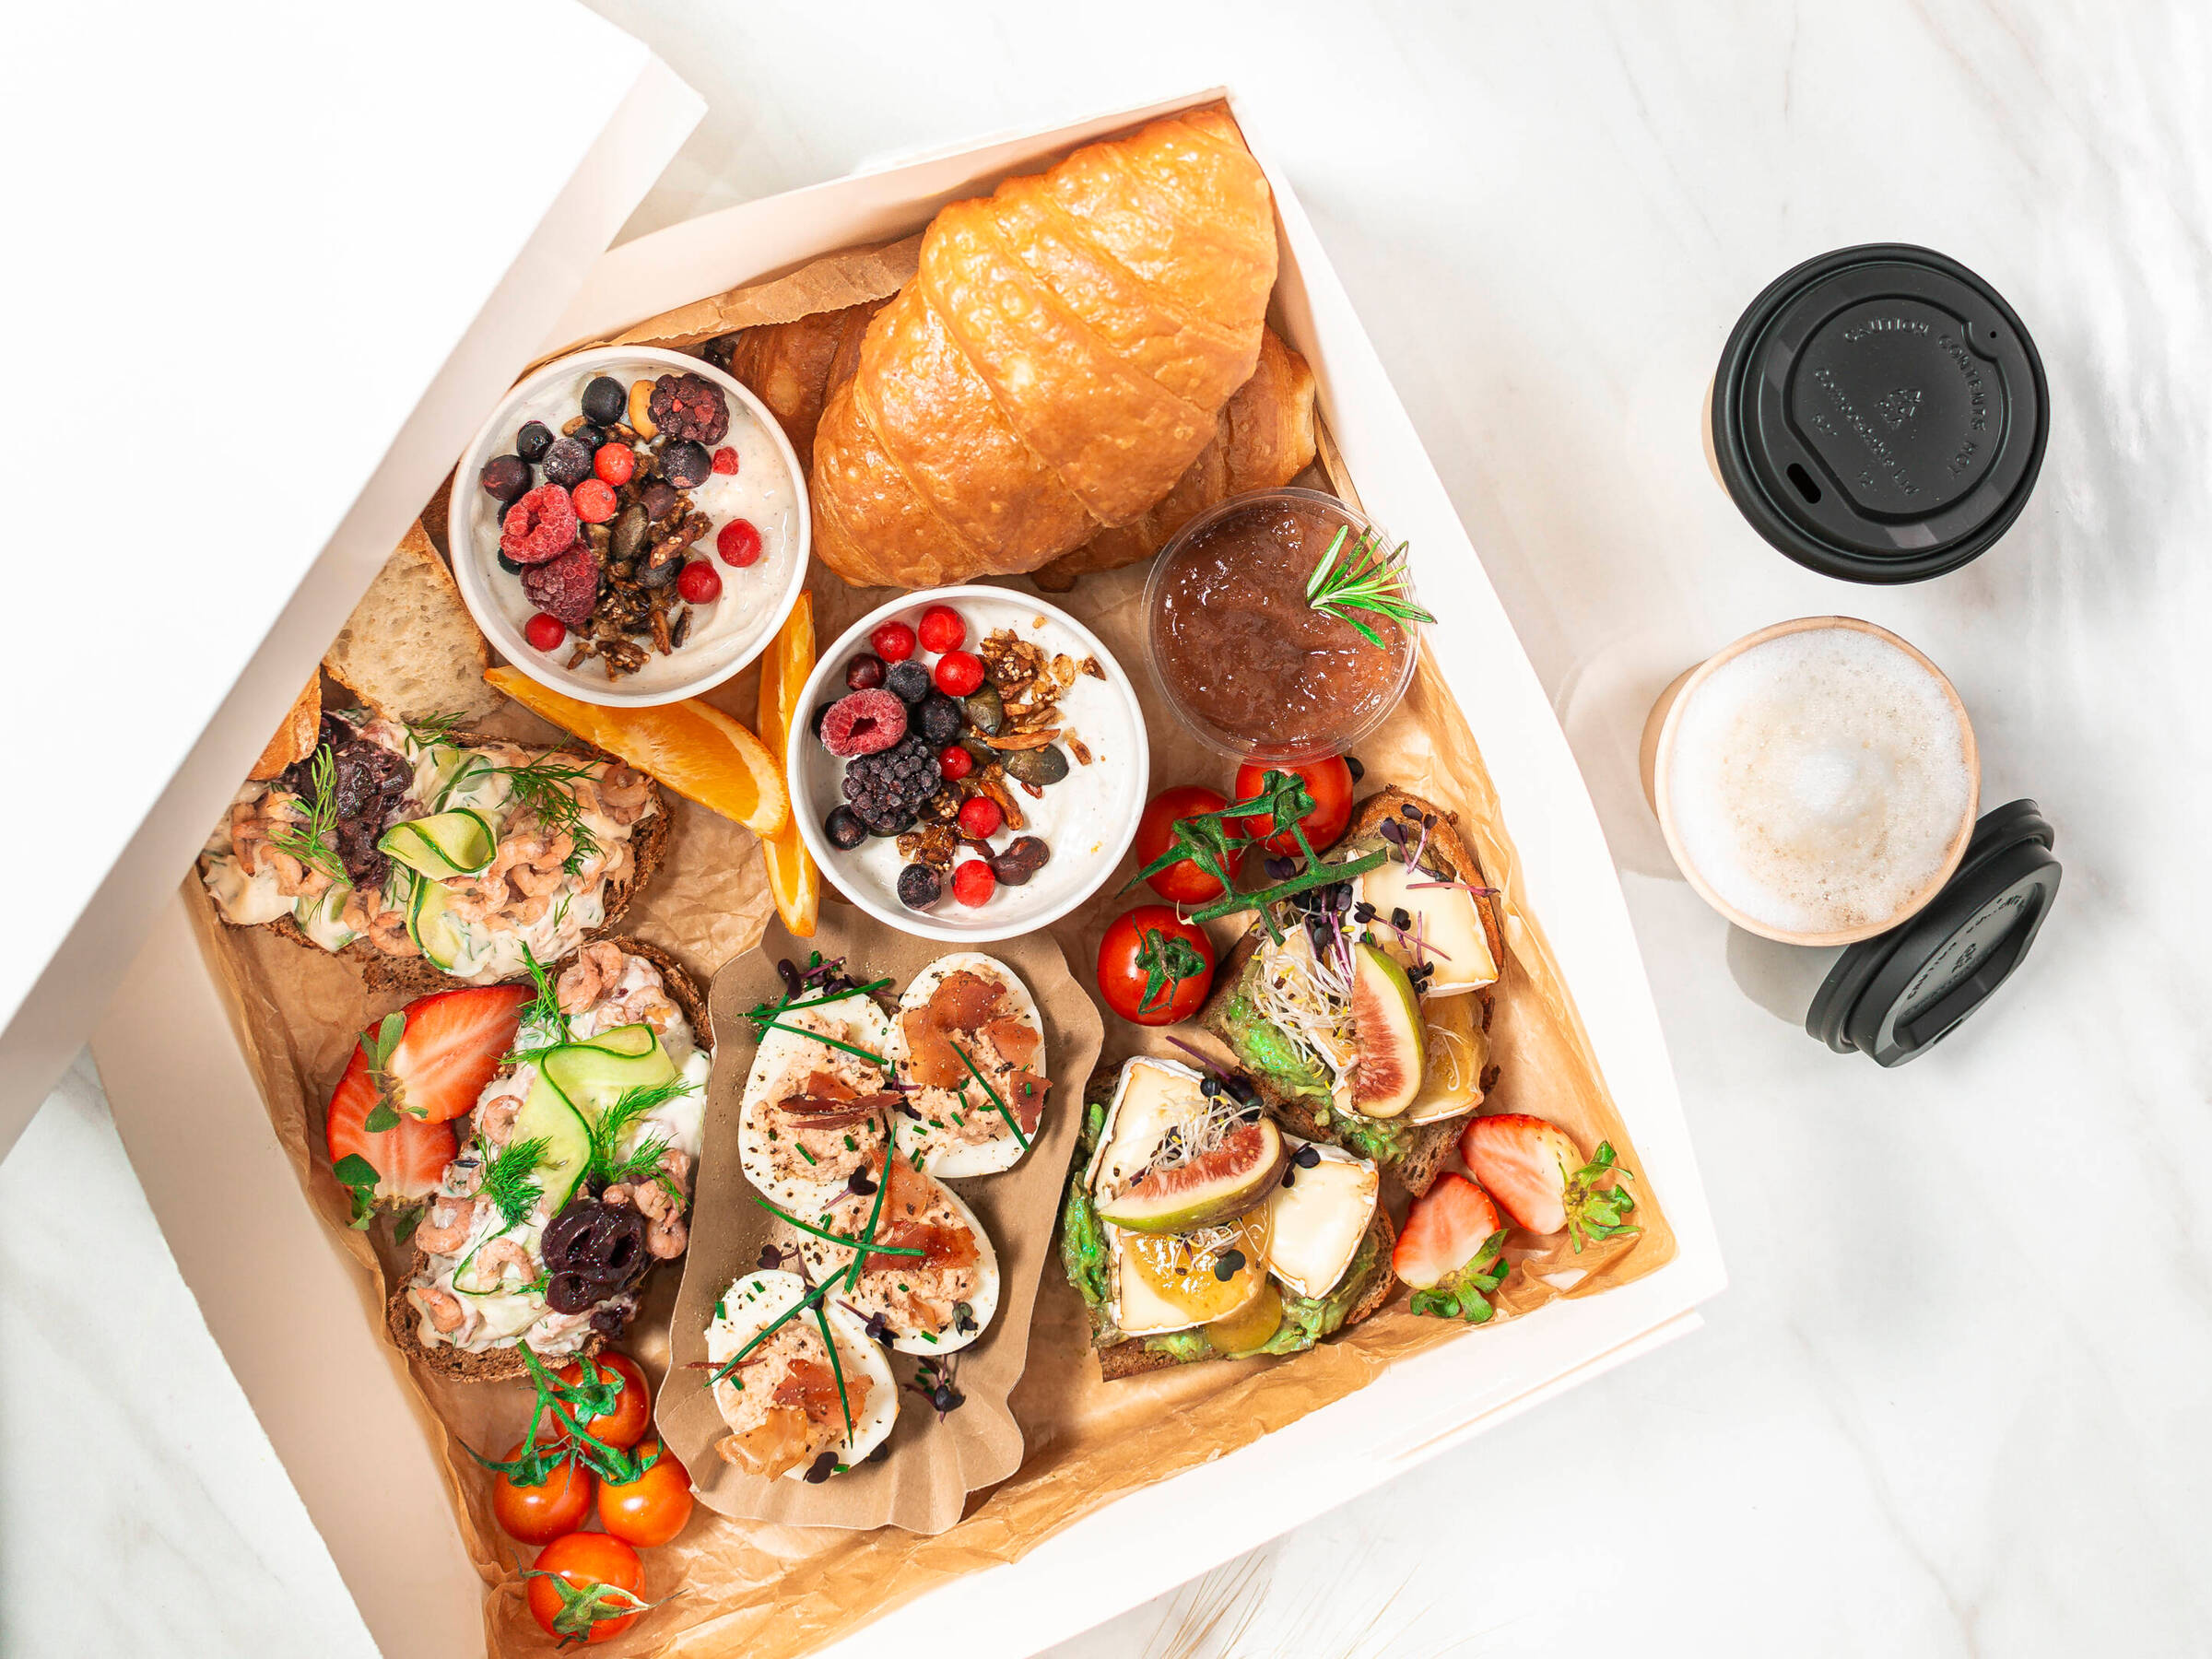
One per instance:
(1817,780)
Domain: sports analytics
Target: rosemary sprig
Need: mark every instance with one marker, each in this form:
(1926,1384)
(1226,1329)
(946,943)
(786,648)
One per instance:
(309,841)
(1370,579)
(1314,876)
(1213,839)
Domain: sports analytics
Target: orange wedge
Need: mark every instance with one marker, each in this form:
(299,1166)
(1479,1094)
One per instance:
(691,747)
(793,876)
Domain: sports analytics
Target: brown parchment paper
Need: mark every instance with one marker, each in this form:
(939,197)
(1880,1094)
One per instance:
(773,1591)
(934,1464)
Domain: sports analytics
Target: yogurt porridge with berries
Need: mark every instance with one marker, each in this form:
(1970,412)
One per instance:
(633,522)
(973,764)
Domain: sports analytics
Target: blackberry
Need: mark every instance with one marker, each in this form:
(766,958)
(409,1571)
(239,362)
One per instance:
(910,680)
(939,718)
(885,790)
(919,887)
(845,828)
(605,400)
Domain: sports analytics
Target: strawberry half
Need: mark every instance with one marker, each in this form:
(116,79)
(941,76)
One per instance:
(403,1162)
(1448,1250)
(1538,1174)
(453,1042)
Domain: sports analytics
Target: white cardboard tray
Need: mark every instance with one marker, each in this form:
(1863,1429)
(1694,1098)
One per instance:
(397,1545)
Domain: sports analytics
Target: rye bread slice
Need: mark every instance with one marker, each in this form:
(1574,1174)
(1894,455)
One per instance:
(500,1364)
(1430,1144)
(1131,1357)
(413,976)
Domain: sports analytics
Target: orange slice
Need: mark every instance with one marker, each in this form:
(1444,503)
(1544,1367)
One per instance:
(691,747)
(793,876)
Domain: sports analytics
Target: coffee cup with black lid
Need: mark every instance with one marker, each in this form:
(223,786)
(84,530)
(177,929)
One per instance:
(1879,413)
(1817,782)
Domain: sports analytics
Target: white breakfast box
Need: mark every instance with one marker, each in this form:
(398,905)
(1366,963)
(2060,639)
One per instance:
(188,1108)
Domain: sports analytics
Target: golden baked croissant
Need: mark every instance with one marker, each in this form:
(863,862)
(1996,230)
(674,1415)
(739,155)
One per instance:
(1262,438)
(1056,365)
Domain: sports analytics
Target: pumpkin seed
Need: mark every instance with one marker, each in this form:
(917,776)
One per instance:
(629,532)
(1038,766)
(986,713)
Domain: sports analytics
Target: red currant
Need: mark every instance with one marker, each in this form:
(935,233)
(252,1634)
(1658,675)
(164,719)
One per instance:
(942,629)
(894,642)
(954,762)
(594,500)
(740,543)
(544,633)
(725,461)
(615,462)
(698,582)
(958,673)
(972,883)
(980,816)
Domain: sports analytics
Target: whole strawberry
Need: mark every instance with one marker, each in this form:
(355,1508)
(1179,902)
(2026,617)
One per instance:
(1537,1171)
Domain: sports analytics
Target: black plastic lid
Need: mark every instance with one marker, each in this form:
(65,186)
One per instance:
(1896,997)
(1879,413)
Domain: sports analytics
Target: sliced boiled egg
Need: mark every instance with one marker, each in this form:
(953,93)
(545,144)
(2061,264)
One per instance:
(756,1301)
(934,1303)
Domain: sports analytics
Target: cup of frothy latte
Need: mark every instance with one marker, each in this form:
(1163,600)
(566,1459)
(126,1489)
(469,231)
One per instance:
(1816,782)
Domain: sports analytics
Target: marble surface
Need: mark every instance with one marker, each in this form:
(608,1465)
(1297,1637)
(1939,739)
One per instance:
(1956,1399)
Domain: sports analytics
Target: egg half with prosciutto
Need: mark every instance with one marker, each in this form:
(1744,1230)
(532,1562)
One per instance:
(969,1050)
(817,1100)
(932,1277)
(810,1396)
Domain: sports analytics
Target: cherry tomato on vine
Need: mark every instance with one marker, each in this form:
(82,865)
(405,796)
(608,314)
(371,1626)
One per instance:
(1183,882)
(586,1587)
(1155,968)
(652,1509)
(538,1514)
(624,1421)
(1328,782)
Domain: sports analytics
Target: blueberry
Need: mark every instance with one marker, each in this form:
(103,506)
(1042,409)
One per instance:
(820,714)
(686,465)
(919,887)
(910,680)
(845,828)
(590,436)
(939,718)
(534,441)
(567,462)
(509,565)
(864,673)
(605,400)
(505,478)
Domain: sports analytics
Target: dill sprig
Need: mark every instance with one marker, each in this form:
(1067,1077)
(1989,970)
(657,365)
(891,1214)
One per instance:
(1370,579)
(540,788)
(507,1179)
(309,841)
(542,1012)
(608,1163)
(434,729)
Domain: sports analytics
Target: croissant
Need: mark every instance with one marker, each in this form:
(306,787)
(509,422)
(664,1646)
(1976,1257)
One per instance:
(1058,362)
(1262,438)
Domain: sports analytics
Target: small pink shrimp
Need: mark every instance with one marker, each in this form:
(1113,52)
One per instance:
(446,1229)
(445,1310)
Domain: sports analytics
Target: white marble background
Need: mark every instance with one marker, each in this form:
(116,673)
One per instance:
(1956,1399)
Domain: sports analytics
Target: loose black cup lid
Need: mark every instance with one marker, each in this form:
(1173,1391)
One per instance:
(1895,997)
(1879,413)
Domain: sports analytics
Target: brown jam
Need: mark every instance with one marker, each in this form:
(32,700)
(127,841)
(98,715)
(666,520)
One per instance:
(1244,656)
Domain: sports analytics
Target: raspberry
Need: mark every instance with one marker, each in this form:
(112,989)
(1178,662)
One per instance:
(955,762)
(972,883)
(698,582)
(544,632)
(566,588)
(725,461)
(593,500)
(958,673)
(980,816)
(540,526)
(616,463)
(739,543)
(864,723)
(942,629)
(894,642)
(689,406)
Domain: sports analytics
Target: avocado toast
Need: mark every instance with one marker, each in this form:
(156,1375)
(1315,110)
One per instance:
(1194,1228)
(1363,1014)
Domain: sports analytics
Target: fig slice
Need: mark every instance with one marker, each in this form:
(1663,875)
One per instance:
(1217,1184)
(1386,1023)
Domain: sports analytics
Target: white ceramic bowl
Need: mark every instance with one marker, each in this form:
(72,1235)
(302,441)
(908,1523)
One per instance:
(1088,818)
(727,636)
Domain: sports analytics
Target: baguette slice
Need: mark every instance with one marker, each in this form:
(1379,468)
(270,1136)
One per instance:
(501,1364)
(413,976)
(410,648)
(1430,1146)
(295,739)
